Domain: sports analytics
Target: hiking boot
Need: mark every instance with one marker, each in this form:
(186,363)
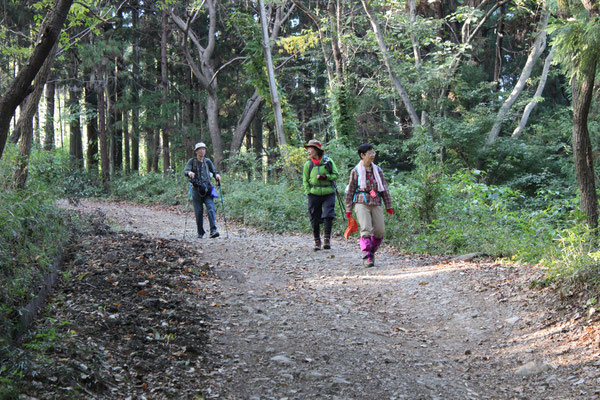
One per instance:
(369,262)
(317,245)
(200,236)
(214,235)
(326,244)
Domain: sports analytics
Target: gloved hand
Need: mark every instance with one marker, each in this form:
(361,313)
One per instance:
(348,214)
(321,177)
(390,211)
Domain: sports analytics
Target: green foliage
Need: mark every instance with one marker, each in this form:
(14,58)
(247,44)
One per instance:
(469,217)
(573,260)
(150,188)
(343,110)
(277,207)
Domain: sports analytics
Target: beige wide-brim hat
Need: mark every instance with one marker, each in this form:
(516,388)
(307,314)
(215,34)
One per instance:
(199,146)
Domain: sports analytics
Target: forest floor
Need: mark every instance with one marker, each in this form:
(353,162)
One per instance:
(144,314)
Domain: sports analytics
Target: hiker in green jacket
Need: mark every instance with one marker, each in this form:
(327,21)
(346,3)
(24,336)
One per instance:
(318,176)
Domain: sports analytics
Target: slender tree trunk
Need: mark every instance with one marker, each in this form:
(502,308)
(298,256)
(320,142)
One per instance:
(388,64)
(49,125)
(317,21)
(413,37)
(135,112)
(271,73)
(102,136)
(536,50)
(538,93)
(20,87)
(75,141)
(164,82)
(583,87)
(253,106)
(498,56)
(91,104)
(335,41)
(126,141)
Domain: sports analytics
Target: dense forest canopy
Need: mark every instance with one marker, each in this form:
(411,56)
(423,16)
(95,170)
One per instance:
(500,86)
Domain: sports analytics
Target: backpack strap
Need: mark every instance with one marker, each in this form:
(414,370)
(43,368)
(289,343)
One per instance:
(356,191)
(328,168)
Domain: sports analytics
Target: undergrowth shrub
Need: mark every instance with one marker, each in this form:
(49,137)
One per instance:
(33,233)
(573,261)
(149,188)
(469,217)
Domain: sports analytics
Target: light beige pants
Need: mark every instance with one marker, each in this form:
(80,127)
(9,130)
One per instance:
(370,220)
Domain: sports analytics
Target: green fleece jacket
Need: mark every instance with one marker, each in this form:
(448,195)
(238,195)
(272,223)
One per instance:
(312,185)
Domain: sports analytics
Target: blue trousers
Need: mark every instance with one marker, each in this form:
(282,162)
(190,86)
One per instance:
(199,203)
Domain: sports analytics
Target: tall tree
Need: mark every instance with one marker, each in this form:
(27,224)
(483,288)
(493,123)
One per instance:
(19,88)
(271,72)
(164,86)
(203,68)
(387,60)
(577,48)
(26,120)
(536,51)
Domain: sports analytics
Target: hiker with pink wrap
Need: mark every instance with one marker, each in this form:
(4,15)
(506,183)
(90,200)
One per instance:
(365,193)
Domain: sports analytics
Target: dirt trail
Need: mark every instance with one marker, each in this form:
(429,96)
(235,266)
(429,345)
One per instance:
(290,323)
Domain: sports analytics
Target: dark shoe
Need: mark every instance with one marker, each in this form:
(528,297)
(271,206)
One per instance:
(214,235)
(317,245)
(369,262)
(327,244)
(200,236)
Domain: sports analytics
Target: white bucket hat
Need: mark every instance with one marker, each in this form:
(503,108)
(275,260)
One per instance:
(199,145)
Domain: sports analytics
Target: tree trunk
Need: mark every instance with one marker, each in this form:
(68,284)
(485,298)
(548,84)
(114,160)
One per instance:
(498,56)
(75,141)
(164,83)
(126,141)
(536,50)
(135,112)
(102,139)
(25,124)
(271,73)
(91,105)
(20,87)
(253,106)
(413,38)
(204,72)
(388,64)
(335,40)
(583,87)
(538,93)
(75,136)
(49,125)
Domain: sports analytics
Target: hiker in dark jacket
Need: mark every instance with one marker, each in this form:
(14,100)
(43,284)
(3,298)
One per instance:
(318,176)
(200,169)
(366,192)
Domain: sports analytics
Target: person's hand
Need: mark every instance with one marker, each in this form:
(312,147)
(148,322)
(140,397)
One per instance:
(321,177)
(191,175)
(390,211)
(349,215)
(218,178)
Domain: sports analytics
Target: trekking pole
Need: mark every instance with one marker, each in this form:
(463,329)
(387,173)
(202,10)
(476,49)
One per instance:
(223,205)
(187,211)
(340,202)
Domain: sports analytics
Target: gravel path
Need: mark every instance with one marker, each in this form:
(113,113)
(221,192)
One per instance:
(290,323)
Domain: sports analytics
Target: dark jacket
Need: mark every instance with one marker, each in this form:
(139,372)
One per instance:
(202,169)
